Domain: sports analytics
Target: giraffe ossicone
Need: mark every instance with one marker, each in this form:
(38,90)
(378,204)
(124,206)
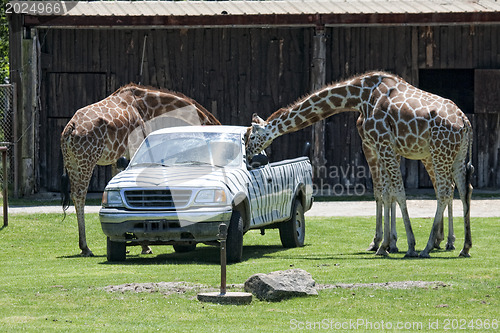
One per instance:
(395,120)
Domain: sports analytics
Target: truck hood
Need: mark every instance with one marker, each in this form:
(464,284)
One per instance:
(181,176)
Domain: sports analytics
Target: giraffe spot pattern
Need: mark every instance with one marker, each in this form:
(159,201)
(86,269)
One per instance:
(98,134)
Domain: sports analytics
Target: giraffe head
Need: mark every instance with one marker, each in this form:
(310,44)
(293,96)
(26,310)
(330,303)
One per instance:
(258,137)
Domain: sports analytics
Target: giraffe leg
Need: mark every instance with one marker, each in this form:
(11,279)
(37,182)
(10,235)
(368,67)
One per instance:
(401,199)
(429,167)
(438,219)
(371,156)
(451,235)
(79,177)
(411,253)
(394,235)
(462,176)
(79,201)
(467,237)
(445,176)
(382,250)
(450,244)
(394,184)
(378,226)
(439,236)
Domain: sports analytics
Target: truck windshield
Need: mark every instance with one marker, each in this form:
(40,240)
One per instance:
(173,149)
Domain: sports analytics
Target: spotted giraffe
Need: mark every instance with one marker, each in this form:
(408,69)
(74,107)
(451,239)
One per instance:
(395,119)
(377,191)
(102,132)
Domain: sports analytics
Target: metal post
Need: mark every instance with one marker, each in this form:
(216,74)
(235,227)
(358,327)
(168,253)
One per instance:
(224,297)
(223,262)
(5,186)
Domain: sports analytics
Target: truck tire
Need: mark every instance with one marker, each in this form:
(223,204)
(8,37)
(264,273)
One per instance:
(292,232)
(116,251)
(234,241)
(184,248)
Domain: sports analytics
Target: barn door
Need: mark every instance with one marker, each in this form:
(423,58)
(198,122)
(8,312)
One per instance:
(486,152)
(63,95)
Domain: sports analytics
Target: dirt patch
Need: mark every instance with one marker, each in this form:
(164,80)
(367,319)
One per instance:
(166,288)
(386,285)
(181,287)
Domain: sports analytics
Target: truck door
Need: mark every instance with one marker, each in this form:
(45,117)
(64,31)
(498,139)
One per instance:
(270,192)
(261,195)
(283,180)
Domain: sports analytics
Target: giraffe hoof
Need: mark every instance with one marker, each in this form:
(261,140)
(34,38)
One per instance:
(382,252)
(393,249)
(450,247)
(86,253)
(146,250)
(424,255)
(464,254)
(411,254)
(372,247)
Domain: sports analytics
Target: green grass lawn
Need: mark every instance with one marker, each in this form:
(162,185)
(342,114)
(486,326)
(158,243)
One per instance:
(46,286)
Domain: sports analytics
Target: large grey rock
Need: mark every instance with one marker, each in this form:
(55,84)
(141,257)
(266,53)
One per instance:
(280,285)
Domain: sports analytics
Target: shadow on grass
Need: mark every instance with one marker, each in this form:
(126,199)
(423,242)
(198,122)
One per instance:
(205,255)
(210,255)
(73,256)
(370,255)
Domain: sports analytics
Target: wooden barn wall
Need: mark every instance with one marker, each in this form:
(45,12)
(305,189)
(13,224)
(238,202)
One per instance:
(351,51)
(235,72)
(475,47)
(405,50)
(232,72)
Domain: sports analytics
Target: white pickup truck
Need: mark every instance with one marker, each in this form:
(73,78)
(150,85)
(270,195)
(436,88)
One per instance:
(183,182)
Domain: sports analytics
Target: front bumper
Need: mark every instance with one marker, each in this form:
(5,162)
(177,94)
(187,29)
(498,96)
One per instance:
(193,225)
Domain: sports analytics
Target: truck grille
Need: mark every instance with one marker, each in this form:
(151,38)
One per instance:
(159,199)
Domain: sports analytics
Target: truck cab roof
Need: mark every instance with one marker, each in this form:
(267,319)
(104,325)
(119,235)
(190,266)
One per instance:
(202,129)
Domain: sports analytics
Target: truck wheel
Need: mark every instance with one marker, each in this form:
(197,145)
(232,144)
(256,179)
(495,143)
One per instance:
(116,251)
(234,241)
(184,248)
(292,232)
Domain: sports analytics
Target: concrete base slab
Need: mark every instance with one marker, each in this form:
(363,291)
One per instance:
(235,298)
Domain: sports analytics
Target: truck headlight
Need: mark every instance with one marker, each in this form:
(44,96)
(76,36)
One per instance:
(212,196)
(112,199)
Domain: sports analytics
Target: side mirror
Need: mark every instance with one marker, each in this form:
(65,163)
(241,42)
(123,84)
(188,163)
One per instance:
(259,160)
(122,163)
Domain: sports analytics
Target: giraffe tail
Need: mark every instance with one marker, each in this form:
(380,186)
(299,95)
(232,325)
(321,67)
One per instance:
(65,192)
(469,169)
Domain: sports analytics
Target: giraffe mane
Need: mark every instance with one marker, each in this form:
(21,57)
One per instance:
(133,85)
(301,99)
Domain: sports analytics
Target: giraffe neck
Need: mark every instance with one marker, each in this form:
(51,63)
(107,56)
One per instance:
(328,101)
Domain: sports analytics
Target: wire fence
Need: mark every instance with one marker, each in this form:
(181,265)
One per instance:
(7,129)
